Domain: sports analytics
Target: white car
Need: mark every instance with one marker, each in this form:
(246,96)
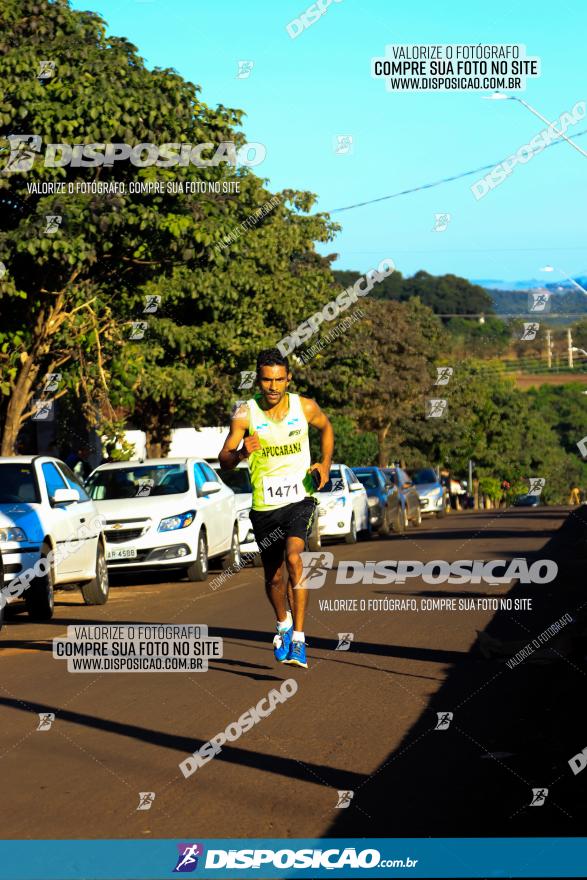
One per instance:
(166,513)
(239,480)
(43,505)
(343,510)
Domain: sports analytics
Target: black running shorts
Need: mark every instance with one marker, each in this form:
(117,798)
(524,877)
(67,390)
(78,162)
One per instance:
(273,527)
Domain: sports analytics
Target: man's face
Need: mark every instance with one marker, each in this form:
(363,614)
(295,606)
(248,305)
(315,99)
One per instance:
(273,382)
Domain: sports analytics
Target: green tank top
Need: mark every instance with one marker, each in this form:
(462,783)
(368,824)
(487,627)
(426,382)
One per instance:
(278,469)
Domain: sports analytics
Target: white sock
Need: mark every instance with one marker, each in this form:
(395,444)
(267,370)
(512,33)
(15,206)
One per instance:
(285,624)
(298,636)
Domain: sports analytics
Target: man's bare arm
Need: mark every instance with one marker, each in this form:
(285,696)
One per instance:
(320,420)
(230,455)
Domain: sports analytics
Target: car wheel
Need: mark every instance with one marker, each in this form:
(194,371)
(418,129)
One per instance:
(198,570)
(442,512)
(399,522)
(95,592)
(367,533)
(39,596)
(417,521)
(385,527)
(234,558)
(351,537)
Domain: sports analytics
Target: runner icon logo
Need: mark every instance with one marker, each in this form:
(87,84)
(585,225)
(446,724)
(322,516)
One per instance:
(443,375)
(536,485)
(315,565)
(344,799)
(344,641)
(444,719)
(146,799)
(539,795)
(189,854)
(46,719)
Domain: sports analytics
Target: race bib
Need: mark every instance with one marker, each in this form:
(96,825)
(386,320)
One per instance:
(277,490)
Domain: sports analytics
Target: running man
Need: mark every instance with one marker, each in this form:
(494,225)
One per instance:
(273,428)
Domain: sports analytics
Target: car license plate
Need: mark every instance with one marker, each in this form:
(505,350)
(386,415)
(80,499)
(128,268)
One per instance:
(276,490)
(122,553)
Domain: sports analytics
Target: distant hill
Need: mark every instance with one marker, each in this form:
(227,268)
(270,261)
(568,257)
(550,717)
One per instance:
(515,302)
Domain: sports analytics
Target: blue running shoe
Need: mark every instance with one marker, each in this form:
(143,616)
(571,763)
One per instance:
(297,655)
(281,644)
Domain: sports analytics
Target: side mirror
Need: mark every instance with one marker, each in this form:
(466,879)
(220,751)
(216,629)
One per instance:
(64,496)
(353,487)
(209,487)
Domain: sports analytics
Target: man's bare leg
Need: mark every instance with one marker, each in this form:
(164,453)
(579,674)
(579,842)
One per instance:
(298,596)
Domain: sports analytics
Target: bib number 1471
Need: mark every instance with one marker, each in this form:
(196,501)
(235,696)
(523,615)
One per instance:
(277,489)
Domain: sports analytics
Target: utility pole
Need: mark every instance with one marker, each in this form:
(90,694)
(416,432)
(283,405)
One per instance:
(570,347)
(548,350)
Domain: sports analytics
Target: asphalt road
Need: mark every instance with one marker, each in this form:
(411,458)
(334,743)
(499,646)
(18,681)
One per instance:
(362,720)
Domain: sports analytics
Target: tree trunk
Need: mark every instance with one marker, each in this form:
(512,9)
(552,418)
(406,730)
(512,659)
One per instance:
(382,445)
(157,427)
(21,394)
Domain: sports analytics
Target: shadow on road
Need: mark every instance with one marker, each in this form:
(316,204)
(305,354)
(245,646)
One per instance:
(513,729)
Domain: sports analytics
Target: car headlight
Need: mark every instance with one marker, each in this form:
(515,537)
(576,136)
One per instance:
(373,502)
(12,534)
(336,502)
(181,521)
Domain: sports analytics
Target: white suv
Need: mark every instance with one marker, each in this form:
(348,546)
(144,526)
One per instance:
(166,513)
(45,513)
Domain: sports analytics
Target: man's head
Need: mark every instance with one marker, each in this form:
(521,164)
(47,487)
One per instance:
(273,375)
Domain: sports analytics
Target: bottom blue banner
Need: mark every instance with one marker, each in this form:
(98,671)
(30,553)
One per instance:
(334,857)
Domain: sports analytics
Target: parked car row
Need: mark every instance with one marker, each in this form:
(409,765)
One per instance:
(172,513)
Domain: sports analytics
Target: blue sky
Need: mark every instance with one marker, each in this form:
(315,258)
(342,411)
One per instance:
(304,92)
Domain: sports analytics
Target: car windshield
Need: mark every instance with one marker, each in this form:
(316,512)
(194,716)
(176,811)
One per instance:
(17,484)
(138,481)
(425,475)
(335,483)
(239,480)
(368,479)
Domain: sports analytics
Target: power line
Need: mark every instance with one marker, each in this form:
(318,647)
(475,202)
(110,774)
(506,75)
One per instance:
(405,192)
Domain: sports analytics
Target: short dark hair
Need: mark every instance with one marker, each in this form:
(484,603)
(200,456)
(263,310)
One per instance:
(271,357)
